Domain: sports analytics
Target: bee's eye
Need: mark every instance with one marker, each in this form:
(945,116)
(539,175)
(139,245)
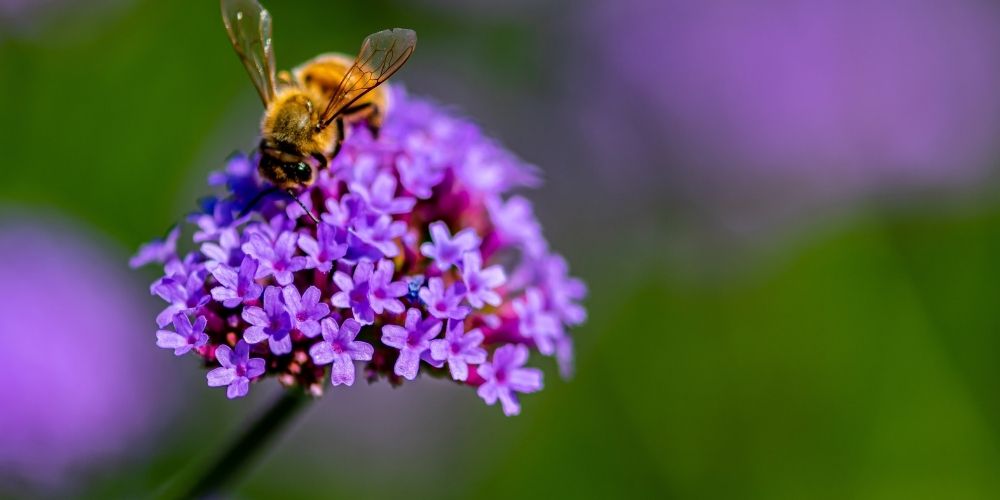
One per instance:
(302,167)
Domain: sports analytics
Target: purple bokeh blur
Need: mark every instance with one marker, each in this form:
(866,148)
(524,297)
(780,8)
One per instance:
(766,108)
(81,379)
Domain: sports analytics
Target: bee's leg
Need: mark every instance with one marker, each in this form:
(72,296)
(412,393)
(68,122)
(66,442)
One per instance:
(340,137)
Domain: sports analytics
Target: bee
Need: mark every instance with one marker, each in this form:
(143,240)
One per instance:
(306,110)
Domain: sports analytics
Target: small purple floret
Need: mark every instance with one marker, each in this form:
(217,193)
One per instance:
(479,283)
(306,309)
(276,258)
(238,287)
(444,302)
(447,250)
(459,349)
(238,368)
(412,340)
(506,376)
(271,323)
(340,348)
(185,335)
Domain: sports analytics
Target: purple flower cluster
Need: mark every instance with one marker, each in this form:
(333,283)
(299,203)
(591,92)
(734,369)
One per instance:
(421,262)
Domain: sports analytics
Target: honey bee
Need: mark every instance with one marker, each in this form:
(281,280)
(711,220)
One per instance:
(306,110)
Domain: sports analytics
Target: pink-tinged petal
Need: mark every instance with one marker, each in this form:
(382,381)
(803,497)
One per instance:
(308,245)
(439,232)
(432,331)
(393,306)
(284,277)
(466,239)
(224,355)
(309,328)
(182,324)
(525,380)
(330,329)
(493,276)
(349,330)
(342,371)
(341,300)
(459,370)
(220,377)
(396,289)
(394,336)
(361,351)
(226,276)
(228,297)
(343,281)
(439,349)
(200,324)
(293,300)
(282,346)
(475,356)
(167,315)
(242,353)
(412,318)
(239,388)
(491,298)
(256,316)
(407,364)
(170,340)
(321,353)
(364,271)
(428,250)
(487,391)
(509,402)
(311,297)
(255,367)
(254,335)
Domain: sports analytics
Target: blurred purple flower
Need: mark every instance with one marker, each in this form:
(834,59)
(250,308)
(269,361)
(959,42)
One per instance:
(91,391)
(764,108)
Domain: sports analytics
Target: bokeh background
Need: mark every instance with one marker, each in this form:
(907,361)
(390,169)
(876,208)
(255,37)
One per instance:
(786,211)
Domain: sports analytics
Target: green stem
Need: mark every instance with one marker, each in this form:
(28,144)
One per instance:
(224,469)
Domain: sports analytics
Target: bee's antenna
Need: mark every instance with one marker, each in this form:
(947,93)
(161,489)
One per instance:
(303,205)
(256,199)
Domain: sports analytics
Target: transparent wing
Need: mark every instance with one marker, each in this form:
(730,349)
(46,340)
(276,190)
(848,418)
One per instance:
(249,27)
(381,55)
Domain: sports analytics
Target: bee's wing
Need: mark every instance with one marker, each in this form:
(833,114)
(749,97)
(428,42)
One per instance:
(249,27)
(381,55)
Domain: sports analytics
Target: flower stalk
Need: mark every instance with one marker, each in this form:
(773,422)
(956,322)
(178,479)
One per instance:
(234,460)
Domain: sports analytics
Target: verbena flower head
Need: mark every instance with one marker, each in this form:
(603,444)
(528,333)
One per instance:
(422,262)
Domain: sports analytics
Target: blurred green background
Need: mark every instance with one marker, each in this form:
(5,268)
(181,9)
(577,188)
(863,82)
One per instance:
(851,354)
